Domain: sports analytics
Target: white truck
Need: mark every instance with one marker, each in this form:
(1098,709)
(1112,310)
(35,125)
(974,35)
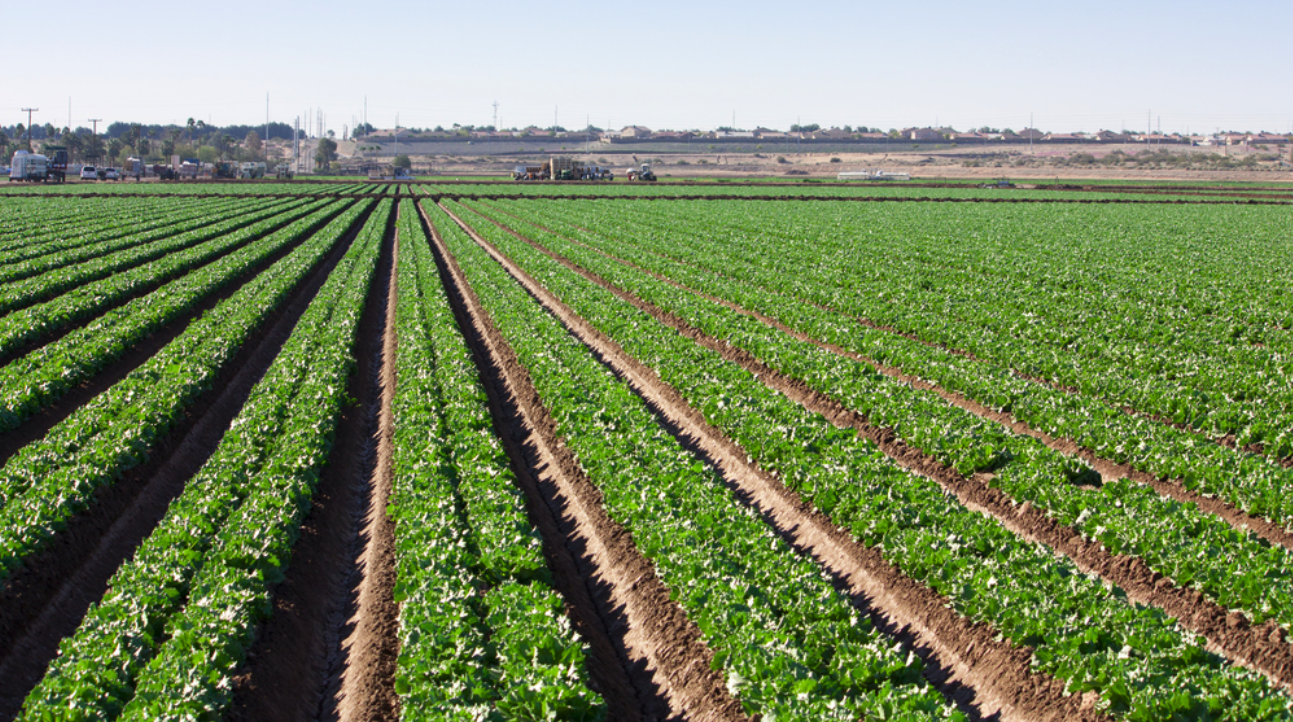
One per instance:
(27,166)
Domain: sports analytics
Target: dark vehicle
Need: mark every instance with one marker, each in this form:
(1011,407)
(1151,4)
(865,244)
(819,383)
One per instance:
(56,165)
(226,169)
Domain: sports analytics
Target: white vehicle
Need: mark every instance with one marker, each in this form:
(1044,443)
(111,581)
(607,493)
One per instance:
(28,167)
(89,172)
(111,174)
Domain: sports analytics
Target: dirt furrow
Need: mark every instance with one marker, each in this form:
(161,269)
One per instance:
(619,604)
(1263,648)
(294,669)
(968,660)
(47,598)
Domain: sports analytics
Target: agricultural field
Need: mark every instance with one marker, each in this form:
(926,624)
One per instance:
(482,451)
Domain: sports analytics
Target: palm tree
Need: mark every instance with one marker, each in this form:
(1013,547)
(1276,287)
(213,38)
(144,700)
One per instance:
(191,124)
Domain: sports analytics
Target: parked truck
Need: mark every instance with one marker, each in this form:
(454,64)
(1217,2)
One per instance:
(226,169)
(38,167)
(136,167)
(251,170)
(29,167)
(55,163)
(561,169)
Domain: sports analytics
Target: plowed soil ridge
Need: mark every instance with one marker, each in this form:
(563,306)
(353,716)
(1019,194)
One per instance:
(47,599)
(1262,648)
(293,670)
(969,661)
(619,604)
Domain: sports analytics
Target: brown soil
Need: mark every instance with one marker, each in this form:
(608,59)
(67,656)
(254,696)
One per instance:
(47,599)
(651,662)
(293,666)
(990,677)
(1261,648)
(362,683)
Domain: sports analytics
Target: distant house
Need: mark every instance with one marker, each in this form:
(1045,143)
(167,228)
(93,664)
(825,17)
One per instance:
(1267,139)
(1030,134)
(769,134)
(1065,138)
(635,132)
(923,135)
(833,134)
(734,134)
(1108,136)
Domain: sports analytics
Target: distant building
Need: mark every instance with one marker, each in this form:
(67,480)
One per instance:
(923,135)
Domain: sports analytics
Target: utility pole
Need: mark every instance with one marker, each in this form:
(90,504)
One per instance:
(1031,132)
(29,111)
(95,132)
(495,116)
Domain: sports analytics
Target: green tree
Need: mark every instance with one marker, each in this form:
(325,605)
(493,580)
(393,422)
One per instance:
(253,144)
(114,149)
(325,152)
(402,161)
(208,154)
(93,147)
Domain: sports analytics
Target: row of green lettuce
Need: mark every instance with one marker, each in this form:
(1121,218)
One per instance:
(811,190)
(1251,482)
(36,380)
(42,230)
(1093,302)
(179,616)
(117,232)
(1136,659)
(39,221)
(30,289)
(1234,567)
(788,644)
(49,480)
(78,293)
(483,635)
(182,188)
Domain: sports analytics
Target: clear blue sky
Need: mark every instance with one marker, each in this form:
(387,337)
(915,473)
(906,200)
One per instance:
(664,64)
